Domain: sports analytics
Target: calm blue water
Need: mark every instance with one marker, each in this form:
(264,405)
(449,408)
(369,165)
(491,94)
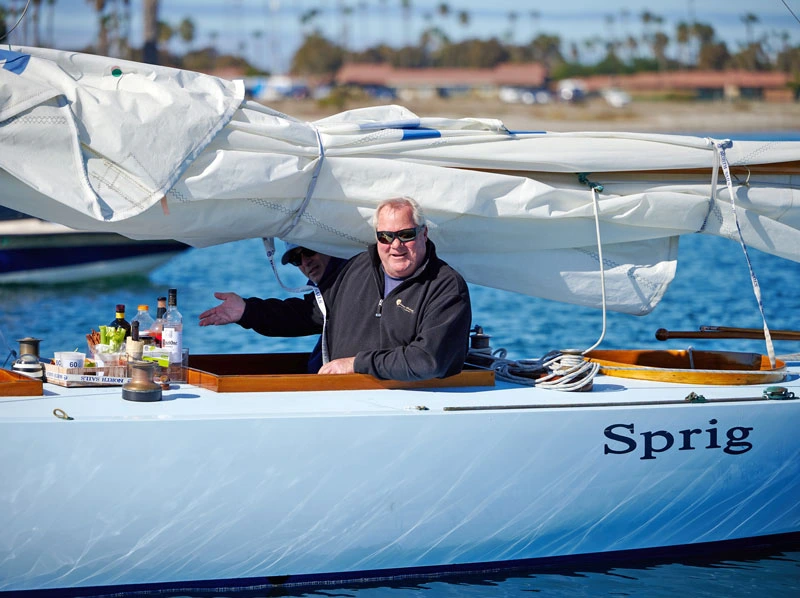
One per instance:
(712,287)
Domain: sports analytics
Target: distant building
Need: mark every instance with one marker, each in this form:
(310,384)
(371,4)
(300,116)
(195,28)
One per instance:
(416,83)
(704,85)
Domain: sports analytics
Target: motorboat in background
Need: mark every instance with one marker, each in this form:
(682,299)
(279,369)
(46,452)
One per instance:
(34,251)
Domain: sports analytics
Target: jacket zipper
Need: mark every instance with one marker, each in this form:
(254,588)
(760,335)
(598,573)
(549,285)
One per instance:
(379,308)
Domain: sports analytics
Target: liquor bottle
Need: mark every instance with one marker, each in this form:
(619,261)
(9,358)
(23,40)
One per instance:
(120,321)
(158,325)
(145,320)
(172,333)
(134,346)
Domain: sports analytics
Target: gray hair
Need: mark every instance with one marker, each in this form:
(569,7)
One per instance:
(396,203)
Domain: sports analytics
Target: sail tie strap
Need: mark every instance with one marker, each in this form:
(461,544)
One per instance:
(310,189)
(721,159)
(269,246)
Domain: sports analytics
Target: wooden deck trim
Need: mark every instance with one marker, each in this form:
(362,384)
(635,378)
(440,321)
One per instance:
(13,384)
(220,373)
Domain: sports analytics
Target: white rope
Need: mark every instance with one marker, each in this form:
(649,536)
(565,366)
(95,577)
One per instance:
(558,370)
(269,246)
(721,159)
(602,268)
(311,186)
(554,371)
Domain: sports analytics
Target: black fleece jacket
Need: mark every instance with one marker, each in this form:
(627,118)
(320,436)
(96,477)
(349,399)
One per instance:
(419,331)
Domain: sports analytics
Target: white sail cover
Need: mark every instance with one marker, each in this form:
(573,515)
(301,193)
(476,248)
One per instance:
(152,152)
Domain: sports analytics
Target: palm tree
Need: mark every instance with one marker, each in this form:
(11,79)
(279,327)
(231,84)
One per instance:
(102,26)
(384,20)
(647,18)
(406,7)
(186,32)
(512,22)
(150,47)
(463,19)
(749,19)
(37,30)
(682,36)
(165,33)
(257,35)
(125,29)
(535,16)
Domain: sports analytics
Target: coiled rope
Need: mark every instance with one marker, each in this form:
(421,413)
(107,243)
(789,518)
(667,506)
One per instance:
(564,370)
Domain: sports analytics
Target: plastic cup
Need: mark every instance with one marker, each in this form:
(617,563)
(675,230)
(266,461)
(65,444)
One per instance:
(70,359)
(178,372)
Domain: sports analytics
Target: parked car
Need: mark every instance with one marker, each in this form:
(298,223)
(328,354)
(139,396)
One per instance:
(524,95)
(616,97)
(571,90)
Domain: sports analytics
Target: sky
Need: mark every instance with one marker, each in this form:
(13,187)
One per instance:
(376,21)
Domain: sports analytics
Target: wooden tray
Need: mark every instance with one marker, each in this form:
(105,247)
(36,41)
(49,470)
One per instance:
(282,372)
(13,384)
(112,375)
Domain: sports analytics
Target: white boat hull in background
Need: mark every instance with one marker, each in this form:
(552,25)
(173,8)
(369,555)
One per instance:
(36,252)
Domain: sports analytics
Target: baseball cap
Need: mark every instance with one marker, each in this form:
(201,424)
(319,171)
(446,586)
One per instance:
(290,248)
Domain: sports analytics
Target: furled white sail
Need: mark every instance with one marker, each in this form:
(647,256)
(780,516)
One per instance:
(152,152)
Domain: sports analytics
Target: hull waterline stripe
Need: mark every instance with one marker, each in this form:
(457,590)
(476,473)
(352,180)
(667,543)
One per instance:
(710,551)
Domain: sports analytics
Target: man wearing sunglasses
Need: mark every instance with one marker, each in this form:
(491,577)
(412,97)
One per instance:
(262,314)
(397,310)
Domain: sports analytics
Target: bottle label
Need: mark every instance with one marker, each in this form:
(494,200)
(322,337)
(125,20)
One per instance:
(172,342)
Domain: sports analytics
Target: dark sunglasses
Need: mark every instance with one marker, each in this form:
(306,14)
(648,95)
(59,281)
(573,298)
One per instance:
(297,257)
(387,237)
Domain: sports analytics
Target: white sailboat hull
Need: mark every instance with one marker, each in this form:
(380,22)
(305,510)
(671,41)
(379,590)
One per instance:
(257,489)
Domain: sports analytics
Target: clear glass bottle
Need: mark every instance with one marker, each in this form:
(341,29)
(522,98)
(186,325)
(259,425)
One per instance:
(158,325)
(120,321)
(172,335)
(145,320)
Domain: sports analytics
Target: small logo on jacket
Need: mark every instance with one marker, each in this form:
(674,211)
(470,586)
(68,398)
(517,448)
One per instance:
(404,307)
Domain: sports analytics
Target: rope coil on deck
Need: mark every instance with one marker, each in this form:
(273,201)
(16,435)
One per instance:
(553,371)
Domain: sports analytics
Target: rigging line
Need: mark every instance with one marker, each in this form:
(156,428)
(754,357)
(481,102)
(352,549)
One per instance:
(720,147)
(12,354)
(19,20)
(790,10)
(595,204)
(269,246)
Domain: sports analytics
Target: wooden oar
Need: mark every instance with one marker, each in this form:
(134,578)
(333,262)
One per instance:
(663,334)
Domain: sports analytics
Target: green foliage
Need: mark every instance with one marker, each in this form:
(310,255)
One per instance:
(714,57)
(409,57)
(610,65)
(317,56)
(472,53)
(788,61)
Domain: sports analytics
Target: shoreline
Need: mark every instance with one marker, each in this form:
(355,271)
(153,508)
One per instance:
(692,118)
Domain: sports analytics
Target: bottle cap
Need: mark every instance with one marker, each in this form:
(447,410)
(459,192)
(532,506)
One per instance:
(143,307)
(120,307)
